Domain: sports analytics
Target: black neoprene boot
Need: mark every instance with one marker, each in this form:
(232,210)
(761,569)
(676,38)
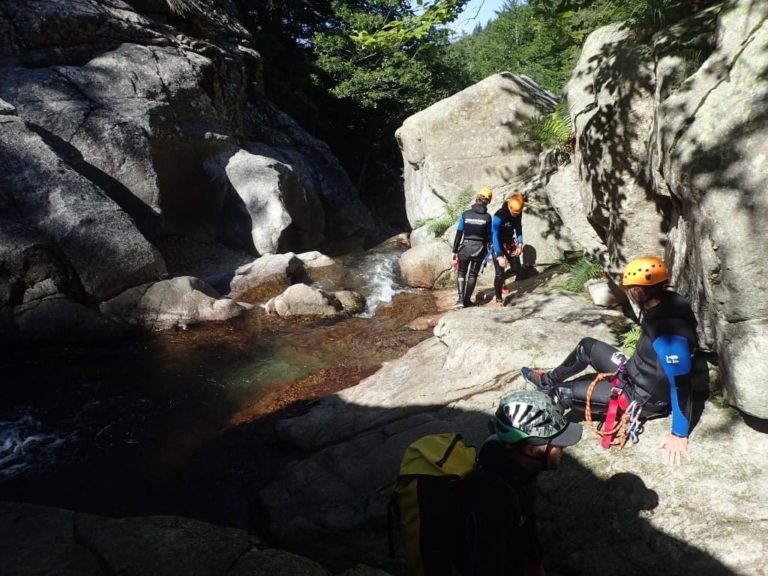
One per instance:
(460,287)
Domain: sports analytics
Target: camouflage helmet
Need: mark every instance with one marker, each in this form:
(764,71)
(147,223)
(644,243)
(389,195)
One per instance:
(531,416)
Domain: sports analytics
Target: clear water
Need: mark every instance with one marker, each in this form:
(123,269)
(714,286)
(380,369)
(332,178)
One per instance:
(117,429)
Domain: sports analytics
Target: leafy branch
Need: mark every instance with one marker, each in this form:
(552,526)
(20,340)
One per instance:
(452,211)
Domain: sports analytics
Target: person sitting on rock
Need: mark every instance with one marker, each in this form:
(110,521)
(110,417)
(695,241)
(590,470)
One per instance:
(658,376)
(500,535)
(507,234)
(470,246)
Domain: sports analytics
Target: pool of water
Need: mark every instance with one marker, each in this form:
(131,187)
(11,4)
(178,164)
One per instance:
(174,422)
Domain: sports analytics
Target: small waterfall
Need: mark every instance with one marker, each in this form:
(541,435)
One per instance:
(23,446)
(384,282)
(376,275)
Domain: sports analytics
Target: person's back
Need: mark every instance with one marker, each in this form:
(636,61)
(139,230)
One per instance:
(470,245)
(500,521)
(500,536)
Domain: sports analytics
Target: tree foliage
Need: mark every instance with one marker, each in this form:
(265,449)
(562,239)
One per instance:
(351,71)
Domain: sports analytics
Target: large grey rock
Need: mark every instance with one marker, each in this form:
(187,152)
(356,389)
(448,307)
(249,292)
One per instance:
(643,515)
(303,300)
(32,268)
(471,139)
(687,121)
(273,202)
(133,106)
(98,240)
(569,199)
(59,320)
(426,264)
(40,540)
(713,134)
(274,271)
(611,99)
(182,301)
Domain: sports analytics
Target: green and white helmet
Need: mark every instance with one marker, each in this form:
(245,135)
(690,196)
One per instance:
(532,416)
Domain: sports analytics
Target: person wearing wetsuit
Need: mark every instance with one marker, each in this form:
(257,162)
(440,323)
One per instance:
(658,376)
(507,234)
(500,534)
(470,246)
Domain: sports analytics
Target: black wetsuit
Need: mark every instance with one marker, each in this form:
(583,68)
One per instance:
(657,376)
(507,231)
(473,235)
(500,533)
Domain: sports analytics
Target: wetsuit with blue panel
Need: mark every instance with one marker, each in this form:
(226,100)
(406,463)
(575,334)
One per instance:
(507,232)
(658,375)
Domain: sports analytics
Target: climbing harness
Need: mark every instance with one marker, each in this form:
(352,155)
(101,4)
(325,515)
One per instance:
(629,426)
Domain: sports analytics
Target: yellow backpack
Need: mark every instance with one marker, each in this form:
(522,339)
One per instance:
(427,501)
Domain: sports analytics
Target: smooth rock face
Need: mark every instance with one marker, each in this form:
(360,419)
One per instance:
(484,119)
(59,319)
(303,300)
(279,270)
(604,508)
(611,99)
(37,539)
(425,264)
(272,202)
(181,301)
(97,239)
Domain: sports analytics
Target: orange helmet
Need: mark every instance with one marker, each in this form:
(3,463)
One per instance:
(515,204)
(645,271)
(486,193)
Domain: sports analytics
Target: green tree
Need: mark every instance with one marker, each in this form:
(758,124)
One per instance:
(379,84)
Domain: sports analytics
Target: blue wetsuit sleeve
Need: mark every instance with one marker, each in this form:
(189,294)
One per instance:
(459,234)
(495,224)
(674,355)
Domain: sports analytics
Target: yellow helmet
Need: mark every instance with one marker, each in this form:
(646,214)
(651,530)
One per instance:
(645,271)
(486,193)
(515,204)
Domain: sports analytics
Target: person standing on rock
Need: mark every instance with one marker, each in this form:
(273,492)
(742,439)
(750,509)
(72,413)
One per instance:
(500,535)
(470,246)
(657,379)
(507,234)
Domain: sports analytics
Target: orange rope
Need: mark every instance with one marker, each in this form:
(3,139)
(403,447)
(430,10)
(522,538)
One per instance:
(619,430)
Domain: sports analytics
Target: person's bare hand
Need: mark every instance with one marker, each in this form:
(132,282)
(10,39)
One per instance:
(502,261)
(518,250)
(674,449)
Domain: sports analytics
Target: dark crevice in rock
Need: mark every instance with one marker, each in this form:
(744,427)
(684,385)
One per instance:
(80,540)
(145,218)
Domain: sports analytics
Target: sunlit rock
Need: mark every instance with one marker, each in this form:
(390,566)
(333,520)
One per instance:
(181,301)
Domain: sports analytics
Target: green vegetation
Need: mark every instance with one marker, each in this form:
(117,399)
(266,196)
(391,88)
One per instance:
(452,211)
(553,131)
(585,268)
(351,71)
(628,340)
(178,6)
